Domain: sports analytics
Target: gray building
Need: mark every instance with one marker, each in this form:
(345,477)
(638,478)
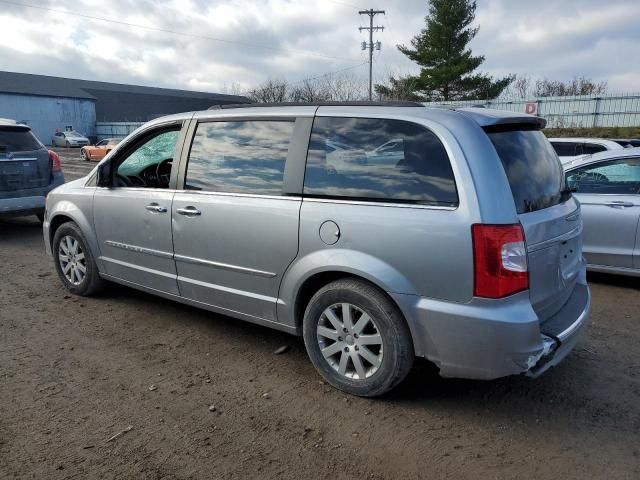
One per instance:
(49,103)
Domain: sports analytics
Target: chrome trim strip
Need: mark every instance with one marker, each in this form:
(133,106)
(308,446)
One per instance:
(379,204)
(560,238)
(138,267)
(232,194)
(134,248)
(16,159)
(571,329)
(223,266)
(234,291)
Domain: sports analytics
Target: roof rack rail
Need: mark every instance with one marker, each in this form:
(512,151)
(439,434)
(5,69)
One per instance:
(320,104)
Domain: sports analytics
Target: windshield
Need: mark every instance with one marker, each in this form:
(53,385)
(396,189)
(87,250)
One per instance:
(72,134)
(532,167)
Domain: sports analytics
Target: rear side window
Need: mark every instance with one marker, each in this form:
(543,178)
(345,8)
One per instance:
(593,148)
(378,159)
(239,157)
(565,149)
(621,177)
(18,140)
(532,167)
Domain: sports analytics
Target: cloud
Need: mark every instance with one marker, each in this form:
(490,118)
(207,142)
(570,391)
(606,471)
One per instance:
(297,39)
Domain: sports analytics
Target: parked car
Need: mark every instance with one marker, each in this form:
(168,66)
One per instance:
(390,153)
(99,150)
(607,185)
(627,142)
(568,148)
(452,253)
(28,171)
(69,139)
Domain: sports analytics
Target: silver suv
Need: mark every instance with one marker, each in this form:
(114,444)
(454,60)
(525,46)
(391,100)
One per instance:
(460,244)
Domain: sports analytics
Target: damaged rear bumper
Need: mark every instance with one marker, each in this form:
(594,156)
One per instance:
(486,339)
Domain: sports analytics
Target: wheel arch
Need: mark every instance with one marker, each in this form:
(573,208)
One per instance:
(67,212)
(311,272)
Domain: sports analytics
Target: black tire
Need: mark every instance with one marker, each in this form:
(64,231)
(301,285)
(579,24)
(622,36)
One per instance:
(85,155)
(91,283)
(397,344)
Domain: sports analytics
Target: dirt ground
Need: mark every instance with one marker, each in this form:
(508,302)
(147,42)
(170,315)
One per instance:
(76,371)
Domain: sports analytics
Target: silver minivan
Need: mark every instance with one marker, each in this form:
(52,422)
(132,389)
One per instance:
(465,249)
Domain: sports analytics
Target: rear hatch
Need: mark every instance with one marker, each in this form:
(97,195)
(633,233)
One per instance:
(549,215)
(24,161)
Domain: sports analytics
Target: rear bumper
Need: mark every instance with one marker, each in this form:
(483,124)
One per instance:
(28,202)
(487,339)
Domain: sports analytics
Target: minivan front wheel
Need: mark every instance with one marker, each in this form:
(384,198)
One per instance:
(357,339)
(73,260)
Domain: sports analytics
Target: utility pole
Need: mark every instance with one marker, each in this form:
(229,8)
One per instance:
(370,45)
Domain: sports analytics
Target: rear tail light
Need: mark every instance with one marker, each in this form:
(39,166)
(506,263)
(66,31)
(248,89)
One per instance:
(54,160)
(499,260)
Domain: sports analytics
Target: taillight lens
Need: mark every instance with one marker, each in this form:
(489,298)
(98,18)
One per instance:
(54,160)
(500,260)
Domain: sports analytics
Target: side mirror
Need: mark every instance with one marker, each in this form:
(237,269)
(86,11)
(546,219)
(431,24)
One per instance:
(104,175)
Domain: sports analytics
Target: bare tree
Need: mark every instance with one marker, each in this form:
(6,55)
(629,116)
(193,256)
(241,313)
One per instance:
(334,87)
(271,91)
(577,86)
(521,87)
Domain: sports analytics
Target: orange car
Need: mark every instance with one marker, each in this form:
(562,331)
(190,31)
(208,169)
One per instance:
(98,151)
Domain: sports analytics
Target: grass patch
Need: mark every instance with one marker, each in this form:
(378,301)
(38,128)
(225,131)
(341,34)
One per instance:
(597,132)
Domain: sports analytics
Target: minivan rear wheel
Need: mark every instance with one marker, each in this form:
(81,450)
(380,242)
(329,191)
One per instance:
(74,262)
(357,338)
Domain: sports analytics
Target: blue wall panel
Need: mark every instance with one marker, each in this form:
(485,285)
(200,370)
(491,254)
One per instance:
(46,114)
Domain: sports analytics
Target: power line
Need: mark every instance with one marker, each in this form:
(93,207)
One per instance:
(329,73)
(370,45)
(174,32)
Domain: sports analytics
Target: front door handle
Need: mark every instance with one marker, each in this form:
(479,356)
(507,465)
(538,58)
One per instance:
(620,203)
(154,207)
(189,211)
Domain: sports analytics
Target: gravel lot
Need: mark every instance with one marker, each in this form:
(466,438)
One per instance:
(76,371)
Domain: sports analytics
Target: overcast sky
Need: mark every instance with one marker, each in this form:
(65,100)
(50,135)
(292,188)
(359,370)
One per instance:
(242,42)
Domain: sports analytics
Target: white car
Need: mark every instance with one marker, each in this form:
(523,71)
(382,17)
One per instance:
(607,184)
(69,139)
(569,148)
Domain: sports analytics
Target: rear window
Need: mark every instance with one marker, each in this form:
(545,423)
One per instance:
(379,160)
(532,167)
(18,140)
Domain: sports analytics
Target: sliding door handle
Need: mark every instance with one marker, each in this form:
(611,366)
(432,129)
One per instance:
(620,203)
(189,211)
(154,207)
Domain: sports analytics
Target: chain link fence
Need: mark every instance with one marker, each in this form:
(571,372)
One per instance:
(582,111)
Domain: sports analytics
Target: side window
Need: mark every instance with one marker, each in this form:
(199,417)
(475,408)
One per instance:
(415,167)
(239,156)
(593,148)
(564,149)
(149,164)
(613,177)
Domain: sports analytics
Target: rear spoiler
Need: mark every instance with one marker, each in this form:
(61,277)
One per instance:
(490,119)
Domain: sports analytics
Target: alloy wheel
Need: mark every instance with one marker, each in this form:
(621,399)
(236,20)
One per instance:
(350,341)
(72,260)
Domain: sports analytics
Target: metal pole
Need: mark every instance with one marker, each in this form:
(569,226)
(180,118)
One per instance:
(372,13)
(370,57)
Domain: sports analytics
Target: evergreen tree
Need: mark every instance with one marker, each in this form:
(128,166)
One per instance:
(447,66)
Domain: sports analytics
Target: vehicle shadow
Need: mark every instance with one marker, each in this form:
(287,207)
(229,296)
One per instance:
(614,280)
(12,228)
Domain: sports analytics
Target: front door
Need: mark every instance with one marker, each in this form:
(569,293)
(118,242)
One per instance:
(234,231)
(133,216)
(608,192)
